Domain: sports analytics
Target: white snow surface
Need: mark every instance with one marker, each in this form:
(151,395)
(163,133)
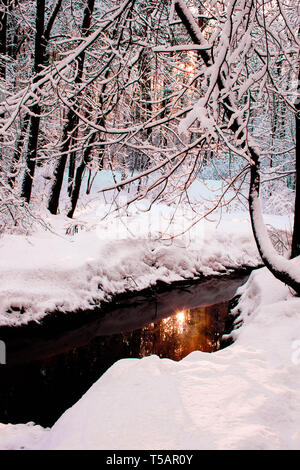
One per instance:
(246,396)
(49,271)
(45,272)
(19,436)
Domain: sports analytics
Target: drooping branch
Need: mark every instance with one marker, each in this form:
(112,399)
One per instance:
(281,268)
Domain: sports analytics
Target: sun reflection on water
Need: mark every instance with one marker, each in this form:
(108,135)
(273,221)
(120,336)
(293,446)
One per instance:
(184,331)
(180,318)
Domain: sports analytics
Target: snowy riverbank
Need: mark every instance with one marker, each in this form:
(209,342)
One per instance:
(87,260)
(243,397)
(49,271)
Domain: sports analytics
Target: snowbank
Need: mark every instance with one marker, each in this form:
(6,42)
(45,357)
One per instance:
(243,397)
(47,272)
(96,255)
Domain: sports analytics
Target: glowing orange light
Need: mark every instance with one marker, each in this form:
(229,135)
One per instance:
(189,68)
(180,318)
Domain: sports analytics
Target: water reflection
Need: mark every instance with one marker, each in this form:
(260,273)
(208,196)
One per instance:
(57,365)
(185,331)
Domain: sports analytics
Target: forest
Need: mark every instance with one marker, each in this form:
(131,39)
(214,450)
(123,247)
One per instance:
(147,142)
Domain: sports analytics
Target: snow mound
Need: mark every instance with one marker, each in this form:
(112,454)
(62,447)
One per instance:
(46,272)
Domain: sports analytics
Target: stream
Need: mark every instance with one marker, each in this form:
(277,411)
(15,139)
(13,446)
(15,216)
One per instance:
(49,366)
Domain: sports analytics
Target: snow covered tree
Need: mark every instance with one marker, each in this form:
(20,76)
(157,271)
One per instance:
(245,53)
(229,79)
(170,84)
(42,35)
(70,128)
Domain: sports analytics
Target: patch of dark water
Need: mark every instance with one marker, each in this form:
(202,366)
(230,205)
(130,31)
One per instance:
(50,366)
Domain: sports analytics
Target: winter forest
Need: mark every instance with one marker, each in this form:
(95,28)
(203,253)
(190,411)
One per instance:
(149,202)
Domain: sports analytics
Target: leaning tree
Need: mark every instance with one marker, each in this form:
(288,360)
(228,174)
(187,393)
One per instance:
(245,52)
(211,78)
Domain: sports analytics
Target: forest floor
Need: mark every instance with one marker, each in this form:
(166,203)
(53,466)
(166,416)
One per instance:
(245,396)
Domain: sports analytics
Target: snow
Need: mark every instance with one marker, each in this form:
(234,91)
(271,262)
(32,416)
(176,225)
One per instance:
(49,271)
(191,20)
(243,397)
(279,263)
(49,74)
(198,112)
(19,436)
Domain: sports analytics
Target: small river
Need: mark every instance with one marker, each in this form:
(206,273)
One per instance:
(50,366)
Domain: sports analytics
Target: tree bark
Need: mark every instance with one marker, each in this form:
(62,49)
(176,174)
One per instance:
(80,169)
(86,159)
(40,59)
(296,232)
(71,122)
(30,157)
(3,38)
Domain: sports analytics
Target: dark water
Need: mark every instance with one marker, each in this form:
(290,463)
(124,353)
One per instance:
(49,367)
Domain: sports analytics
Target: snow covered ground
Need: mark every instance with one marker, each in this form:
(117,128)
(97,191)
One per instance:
(246,396)
(87,260)
(84,261)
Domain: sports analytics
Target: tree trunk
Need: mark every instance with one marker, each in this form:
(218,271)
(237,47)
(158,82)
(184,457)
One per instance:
(31,153)
(86,159)
(71,122)
(30,157)
(3,38)
(40,59)
(18,150)
(279,266)
(3,50)
(296,231)
(80,169)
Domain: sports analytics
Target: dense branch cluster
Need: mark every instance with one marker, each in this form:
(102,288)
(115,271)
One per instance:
(155,92)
